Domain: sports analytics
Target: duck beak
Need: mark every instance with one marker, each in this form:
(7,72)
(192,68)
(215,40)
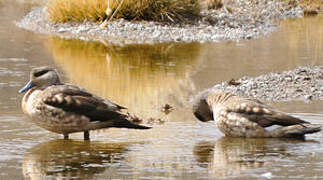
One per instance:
(29,85)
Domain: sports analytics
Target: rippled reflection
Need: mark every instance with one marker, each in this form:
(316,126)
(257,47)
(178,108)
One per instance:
(233,156)
(141,77)
(72,159)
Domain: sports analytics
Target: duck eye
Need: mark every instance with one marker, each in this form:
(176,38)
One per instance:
(37,74)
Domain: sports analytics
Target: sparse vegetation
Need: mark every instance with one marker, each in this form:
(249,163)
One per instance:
(310,7)
(95,10)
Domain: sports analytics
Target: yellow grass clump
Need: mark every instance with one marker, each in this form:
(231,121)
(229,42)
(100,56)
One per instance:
(76,10)
(95,10)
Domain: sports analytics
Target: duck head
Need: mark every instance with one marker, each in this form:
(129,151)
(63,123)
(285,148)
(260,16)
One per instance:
(41,77)
(201,108)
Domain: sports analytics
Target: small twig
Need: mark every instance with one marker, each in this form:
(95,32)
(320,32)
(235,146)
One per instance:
(107,12)
(115,11)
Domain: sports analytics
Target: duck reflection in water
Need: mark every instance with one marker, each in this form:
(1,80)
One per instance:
(64,108)
(73,159)
(233,156)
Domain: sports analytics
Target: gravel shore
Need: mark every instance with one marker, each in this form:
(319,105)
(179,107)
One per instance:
(303,83)
(240,19)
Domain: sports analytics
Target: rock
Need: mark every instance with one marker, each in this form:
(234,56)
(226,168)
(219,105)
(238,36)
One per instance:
(82,29)
(308,97)
(267,175)
(62,30)
(156,34)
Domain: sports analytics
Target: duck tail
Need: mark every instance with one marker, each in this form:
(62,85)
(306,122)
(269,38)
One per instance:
(296,131)
(130,125)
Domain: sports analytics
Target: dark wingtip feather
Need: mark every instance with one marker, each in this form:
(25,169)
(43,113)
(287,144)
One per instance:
(121,107)
(312,128)
(305,129)
(141,127)
(130,125)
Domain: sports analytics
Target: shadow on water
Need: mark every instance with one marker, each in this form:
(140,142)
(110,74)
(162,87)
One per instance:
(73,159)
(232,157)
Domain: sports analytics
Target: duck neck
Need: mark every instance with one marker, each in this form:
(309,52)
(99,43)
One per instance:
(218,98)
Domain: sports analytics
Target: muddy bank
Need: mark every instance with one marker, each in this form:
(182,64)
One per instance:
(242,19)
(303,83)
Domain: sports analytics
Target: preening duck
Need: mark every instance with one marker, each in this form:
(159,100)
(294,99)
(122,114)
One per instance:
(238,116)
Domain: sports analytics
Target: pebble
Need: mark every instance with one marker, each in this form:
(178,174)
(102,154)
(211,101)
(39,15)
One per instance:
(308,97)
(82,30)
(62,30)
(267,175)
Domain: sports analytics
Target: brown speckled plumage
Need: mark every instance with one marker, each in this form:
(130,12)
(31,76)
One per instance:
(238,116)
(65,109)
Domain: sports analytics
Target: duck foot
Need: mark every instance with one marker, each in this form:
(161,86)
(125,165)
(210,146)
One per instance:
(66,136)
(86,135)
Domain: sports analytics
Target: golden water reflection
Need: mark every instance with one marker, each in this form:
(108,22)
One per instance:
(142,77)
(297,42)
(60,159)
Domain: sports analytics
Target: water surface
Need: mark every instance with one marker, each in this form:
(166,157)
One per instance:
(143,78)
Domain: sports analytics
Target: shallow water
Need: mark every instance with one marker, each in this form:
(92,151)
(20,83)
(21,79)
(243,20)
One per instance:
(143,78)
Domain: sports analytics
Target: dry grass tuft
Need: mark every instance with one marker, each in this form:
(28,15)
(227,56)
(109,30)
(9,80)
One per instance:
(76,10)
(150,10)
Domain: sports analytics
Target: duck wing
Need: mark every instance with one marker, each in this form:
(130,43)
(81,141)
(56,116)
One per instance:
(261,113)
(74,99)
